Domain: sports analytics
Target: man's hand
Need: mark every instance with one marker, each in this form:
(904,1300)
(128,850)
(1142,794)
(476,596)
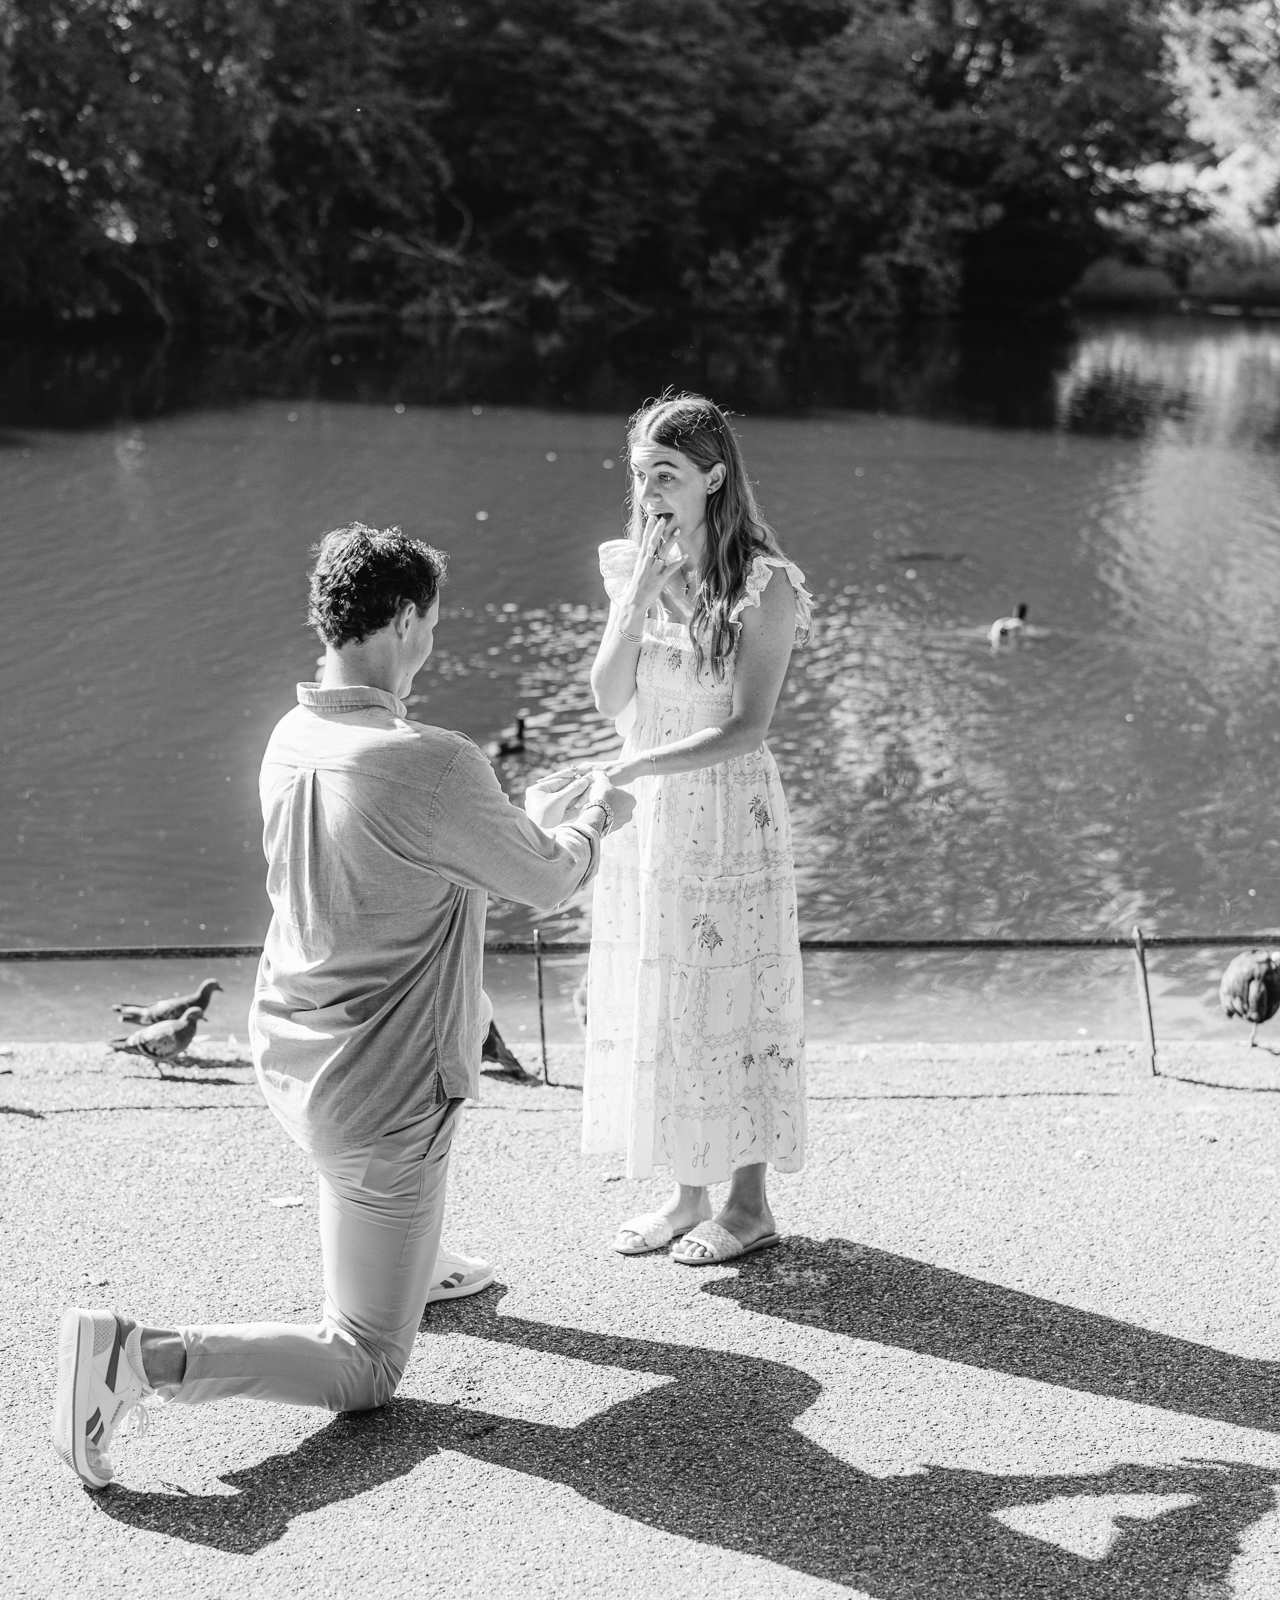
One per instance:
(562,777)
(620,801)
(550,801)
(579,787)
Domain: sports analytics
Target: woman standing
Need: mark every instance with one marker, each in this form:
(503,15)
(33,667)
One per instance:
(695,1041)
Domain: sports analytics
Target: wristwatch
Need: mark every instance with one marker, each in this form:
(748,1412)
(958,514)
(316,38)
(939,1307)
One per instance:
(602,805)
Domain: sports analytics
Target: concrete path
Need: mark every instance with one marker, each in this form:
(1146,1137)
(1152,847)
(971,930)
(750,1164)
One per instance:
(1021,1341)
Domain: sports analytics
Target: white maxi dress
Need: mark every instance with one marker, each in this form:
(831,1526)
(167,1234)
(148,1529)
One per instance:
(695,1002)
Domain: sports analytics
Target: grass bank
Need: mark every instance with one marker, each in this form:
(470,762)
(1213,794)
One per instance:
(1216,272)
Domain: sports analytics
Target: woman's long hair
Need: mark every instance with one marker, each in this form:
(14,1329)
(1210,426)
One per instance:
(736,531)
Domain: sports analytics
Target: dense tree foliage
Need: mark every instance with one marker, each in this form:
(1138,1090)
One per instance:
(259,160)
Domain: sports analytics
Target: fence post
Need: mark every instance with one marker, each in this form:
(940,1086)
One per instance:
(542,1024)
(1144,997)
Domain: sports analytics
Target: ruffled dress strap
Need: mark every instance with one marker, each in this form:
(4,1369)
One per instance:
(762,569)
(617,563)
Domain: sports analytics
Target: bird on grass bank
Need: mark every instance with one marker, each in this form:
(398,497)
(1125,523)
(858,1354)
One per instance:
(1008,628)
(496,1049)
(167,1010)
(162,1041)
(1250,988)
(510,742)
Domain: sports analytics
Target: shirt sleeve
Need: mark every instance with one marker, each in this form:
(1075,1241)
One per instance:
(481,841)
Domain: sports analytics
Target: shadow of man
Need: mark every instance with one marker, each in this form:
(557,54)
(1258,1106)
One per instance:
(712,1455)
(862,1293)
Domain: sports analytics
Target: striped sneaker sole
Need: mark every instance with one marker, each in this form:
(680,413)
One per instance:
(70,1407)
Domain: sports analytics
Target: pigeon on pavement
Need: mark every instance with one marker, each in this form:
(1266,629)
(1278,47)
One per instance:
(167,1010)
(162,1040)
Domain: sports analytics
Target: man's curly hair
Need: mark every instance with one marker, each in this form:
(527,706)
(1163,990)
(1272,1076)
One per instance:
(362,575)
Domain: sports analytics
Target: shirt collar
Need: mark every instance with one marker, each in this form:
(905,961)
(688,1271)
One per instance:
(353,698)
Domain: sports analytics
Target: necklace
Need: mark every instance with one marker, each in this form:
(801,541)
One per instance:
(680,607)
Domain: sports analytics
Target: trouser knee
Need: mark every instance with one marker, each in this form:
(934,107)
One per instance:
(373,1380)
(386,1380)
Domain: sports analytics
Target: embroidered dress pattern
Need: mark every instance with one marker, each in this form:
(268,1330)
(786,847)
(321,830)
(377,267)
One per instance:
(695,1004)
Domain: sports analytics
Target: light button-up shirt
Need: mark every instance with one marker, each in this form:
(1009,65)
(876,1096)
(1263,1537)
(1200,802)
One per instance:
(383,837)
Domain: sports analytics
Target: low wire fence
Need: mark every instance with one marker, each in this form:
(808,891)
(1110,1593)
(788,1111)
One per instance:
(1137,943)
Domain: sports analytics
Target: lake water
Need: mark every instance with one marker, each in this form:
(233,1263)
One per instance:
(1119,765)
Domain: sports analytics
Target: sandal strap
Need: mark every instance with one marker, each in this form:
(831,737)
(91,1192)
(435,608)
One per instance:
(721,1243)
(654,1228)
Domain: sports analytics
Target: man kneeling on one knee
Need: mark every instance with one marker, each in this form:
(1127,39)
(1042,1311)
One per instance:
(383,838)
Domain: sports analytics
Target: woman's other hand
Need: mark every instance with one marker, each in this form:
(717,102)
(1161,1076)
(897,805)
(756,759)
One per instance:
(657,558)
(613,676)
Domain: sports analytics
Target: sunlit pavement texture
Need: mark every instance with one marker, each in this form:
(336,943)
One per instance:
(1021,1340)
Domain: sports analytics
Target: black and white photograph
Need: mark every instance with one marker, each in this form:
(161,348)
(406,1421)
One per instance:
(640,793)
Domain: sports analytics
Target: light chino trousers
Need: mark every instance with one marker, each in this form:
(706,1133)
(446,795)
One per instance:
(381,1210)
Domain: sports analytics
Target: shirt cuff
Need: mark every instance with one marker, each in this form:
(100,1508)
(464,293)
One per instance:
(593,847)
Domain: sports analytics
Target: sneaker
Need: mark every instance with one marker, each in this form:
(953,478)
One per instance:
(98,1386)
(455,1276)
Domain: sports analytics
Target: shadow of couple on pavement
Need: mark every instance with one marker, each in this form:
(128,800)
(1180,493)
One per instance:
(712,1453)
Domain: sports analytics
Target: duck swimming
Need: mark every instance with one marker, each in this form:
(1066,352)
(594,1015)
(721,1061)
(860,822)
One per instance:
(1008,627)
(510,742)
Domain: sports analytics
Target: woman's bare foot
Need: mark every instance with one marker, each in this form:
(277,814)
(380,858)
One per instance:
(683,1209)
(745,1214)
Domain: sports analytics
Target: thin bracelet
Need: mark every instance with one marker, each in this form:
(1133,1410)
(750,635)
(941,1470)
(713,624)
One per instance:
(634,638)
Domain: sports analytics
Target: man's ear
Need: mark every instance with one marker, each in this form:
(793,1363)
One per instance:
(403,620)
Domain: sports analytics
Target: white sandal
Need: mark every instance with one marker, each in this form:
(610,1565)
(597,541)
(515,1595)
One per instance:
(653,1229)
(722,1245)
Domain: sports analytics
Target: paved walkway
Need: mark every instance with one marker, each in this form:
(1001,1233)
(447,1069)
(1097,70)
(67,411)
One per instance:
(1021,1341)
